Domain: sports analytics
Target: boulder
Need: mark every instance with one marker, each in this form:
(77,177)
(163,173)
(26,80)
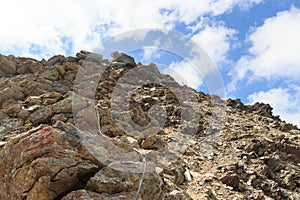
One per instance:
(56,60)
(41,116)
(7,66)
(123,58)
(44,163)
(111,181)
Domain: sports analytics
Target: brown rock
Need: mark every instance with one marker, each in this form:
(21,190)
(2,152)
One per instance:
(11,91)
(256,155)
(41,116)
(13,109)
(50,74)
(149,141)
(55,60)
(77,195)
(51,98)
(3,116)
(178,195)
(44,163)
(110,181)
(7,66)
(231,180)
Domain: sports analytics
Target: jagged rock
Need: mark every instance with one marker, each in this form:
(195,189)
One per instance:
(178,195)
(8,125)
(64,106)
(3,116)
(231,180)
(7,66)
(56,60)
(149,141)
(44,163)
(82,54)
(111,181)
(286,126)
(41,116)
(123,58)
(252,155)
(50,74)
(236,104)
(11,91)
(85,55)
(262,109)
(77,195)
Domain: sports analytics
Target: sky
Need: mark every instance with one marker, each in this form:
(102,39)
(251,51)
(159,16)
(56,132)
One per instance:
(253,44)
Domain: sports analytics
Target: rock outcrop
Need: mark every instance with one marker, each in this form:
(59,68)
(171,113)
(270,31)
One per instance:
(60,138)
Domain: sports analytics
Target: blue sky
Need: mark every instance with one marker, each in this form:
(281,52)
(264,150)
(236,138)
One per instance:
(254,44)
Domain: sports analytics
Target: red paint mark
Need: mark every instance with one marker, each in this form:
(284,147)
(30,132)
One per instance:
(40,135)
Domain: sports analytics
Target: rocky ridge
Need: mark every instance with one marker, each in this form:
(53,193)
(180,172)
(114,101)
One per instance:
(255,155)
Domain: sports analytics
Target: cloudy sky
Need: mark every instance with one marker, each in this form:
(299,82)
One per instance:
(255,44)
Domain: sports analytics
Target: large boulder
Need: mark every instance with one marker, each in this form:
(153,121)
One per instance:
(44,163)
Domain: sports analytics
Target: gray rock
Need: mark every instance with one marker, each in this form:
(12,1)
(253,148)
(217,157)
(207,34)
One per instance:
(50,74)
(63,106)
(82,54)
(86,55)
(55,60)
(123,58)
(41,116)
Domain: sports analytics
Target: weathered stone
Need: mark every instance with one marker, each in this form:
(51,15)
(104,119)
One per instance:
(82,54)
(255,154)
(8,125)
(231,180)
(55,60)
(3,116)
(7,66)
(13,109)
(286,126)
(178,195)
(50,74)
(262,109)
(41,115)
(23,114)
(77,195)
(63,106)
(44,163)
(123,58)
(111,181)
(11,91)
(149,141)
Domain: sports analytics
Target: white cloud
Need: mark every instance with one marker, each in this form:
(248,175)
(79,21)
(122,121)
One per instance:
(222,6)
(286,102)
(85,23)
(275,49)
(151,52)
(184,73)
(215,40)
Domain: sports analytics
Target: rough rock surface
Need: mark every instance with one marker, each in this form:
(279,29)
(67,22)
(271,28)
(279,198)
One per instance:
(45,155)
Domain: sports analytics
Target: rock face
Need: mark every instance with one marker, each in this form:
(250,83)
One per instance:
(44,163)
(51,146)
